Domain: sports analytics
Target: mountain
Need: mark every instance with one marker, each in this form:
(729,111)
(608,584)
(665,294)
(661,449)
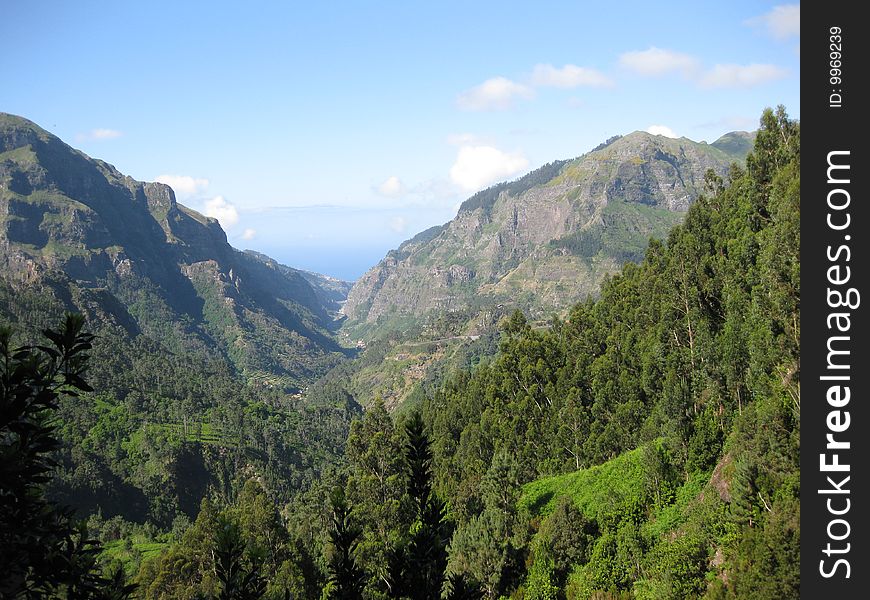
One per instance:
(200,352)
(646,446)
(154,265)
(331,292)
(542,242)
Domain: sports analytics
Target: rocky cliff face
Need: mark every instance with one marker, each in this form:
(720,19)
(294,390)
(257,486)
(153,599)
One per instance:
(65,214)
(545,241)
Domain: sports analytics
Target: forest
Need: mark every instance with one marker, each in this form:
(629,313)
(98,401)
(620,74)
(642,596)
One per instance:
(645,445)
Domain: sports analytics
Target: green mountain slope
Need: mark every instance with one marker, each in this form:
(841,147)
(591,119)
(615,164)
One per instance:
(544,241)
(648,445)
(539,244)
(62,212)
(331,292)
(200,350)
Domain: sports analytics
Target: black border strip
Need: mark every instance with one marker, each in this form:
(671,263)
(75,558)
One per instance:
(834,245)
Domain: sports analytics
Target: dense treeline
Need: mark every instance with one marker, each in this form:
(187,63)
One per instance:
(171,419)
(44,551)
(681,380)
(644,447)
(693,354)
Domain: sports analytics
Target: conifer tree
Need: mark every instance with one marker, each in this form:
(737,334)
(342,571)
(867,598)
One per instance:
(346,578)
(417,568)
(460,588)
(238,582)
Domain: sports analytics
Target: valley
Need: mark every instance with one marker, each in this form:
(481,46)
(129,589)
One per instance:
(584,385)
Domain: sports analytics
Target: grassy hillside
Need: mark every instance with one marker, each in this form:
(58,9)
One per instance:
(200,350)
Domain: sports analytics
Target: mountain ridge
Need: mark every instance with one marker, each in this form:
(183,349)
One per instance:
(62,211)
(549,237)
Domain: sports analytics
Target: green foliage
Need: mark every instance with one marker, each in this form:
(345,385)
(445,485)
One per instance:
(346,578)
(126,545)
(667,412)
(567,536)
(539,585)
(186,568)
(675,569)
(480,550)
(667,517)
(418,564)
(43,551)
(376,485)
(236,582)
(241,551)
(459,588)
(602,492)
(767,559)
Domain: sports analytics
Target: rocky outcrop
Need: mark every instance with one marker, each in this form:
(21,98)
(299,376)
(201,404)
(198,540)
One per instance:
(547,240)
(62,211)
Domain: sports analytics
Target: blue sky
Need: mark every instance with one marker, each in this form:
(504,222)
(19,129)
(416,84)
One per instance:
(324,134)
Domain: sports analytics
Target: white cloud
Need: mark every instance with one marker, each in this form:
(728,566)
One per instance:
(249,234)
(497,93)
(782,22)
(399,224)
(656,61)
(741,76)
(569,76)
(392,187)
(183,185)
(99,134)
(478,166)
(221,210)
(662,130)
